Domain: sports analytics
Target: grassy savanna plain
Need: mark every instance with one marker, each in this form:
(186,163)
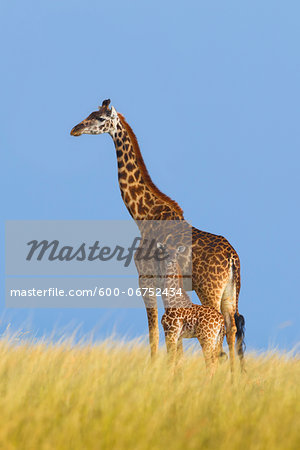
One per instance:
(109,396)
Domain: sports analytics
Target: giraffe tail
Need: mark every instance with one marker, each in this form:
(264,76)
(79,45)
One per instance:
(240,333)
(238,318)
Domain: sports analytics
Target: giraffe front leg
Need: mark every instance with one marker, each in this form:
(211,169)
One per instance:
(179,354)
(172,328)
(152,316)
(171,343)
(147,286)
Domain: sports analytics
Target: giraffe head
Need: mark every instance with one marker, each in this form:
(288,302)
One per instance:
(98,122)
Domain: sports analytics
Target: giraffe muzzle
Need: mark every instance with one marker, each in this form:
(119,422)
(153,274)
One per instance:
(77,130)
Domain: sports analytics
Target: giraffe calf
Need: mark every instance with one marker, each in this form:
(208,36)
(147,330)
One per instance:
(184,319)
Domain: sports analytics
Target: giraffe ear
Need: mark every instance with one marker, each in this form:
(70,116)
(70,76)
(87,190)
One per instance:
(105,103)
(113,112)
(104,107)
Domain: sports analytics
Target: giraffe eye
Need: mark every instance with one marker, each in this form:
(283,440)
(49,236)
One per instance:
(181,249)
(101,119)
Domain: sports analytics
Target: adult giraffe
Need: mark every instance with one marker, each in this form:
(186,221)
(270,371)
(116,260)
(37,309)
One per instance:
(215,263)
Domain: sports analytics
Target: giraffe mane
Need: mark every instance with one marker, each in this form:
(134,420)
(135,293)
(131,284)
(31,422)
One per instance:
(143,168)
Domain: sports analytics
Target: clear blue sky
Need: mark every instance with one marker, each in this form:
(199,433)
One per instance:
(211,90)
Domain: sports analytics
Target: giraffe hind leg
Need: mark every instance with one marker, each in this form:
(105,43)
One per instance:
(222,356)
(209,349)
(228,307)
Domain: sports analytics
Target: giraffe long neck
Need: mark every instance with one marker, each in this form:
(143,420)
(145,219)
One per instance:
(173,283)
(140,195)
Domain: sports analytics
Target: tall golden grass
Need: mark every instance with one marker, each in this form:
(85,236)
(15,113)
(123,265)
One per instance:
(109,396)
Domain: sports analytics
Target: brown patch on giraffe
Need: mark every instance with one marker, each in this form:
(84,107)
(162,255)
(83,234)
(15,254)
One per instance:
(139,189)
(141,207)
(157,209)
(149,198)
(133,208)
(133,192)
